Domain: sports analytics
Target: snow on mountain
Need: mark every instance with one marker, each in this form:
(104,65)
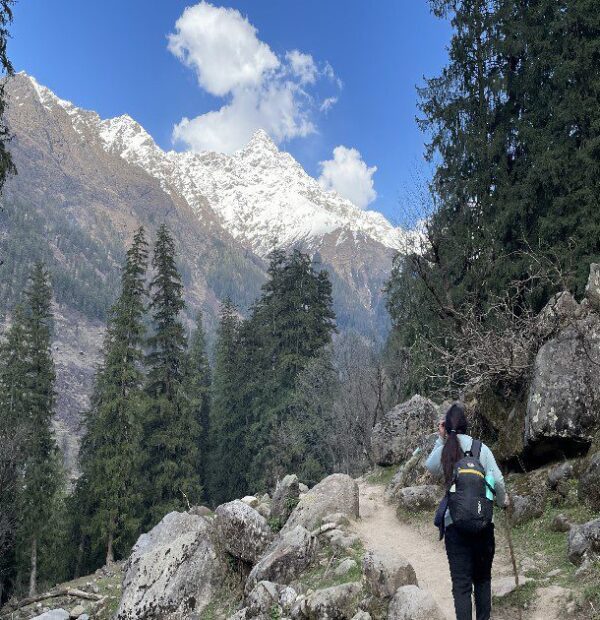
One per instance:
(261,195)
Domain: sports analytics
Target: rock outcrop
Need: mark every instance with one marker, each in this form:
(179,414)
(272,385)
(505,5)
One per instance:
(285,497)
(337,602)
(336,493)
(584,540)
(384,574)
(589,483)
(564,396)
(173,570)
(397,435)
(291,554)
(242,531)
(419,498)
(412,603)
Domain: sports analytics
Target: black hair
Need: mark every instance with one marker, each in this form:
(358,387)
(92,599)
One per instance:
(456,423)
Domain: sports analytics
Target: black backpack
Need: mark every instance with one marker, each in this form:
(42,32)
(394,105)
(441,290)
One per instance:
(470,509)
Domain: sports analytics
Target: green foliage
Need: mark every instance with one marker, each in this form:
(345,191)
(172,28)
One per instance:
(197,380)
(514,128)
(171,432)
(6,16)
(109,488)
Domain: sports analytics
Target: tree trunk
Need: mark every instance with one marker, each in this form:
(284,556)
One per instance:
(110,556)
(33,573)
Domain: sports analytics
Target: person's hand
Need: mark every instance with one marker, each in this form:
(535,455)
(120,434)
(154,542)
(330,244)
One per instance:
(442,429)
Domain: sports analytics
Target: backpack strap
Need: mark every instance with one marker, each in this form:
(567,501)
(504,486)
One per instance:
(476,449)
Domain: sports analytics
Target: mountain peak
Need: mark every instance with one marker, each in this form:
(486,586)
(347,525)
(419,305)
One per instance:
(260,141)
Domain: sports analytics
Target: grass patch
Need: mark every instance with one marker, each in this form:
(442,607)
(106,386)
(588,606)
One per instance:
(323,576)
(382,475)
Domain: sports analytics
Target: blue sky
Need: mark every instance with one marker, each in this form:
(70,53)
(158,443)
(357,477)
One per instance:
(114,57)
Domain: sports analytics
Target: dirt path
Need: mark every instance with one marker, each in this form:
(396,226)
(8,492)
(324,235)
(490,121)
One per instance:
(380,530)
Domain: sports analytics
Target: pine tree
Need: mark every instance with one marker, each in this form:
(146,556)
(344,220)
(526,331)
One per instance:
(171,434)
(13,417)
(289,326)
(227,466)
(110,451)
(42,472)
(197,381)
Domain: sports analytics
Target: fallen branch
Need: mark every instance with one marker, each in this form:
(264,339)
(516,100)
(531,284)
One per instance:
(75,592)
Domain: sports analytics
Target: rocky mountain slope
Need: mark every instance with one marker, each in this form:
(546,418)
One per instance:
(84,184)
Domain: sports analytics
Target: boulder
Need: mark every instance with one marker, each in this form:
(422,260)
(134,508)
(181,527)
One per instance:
(525,508)
(413,471)
(201,511)
(559,474)
(564,394)
(242,531)
(412,603)
(592,290)
(285,497)
(342,540)
(53,614)
(560,523)
(584,540)
(338,518)
(251,500)
(589,483)
(361,615)
(347,565)
(77,611)
(419,498)
(287,598)
(172,571)
(385,573)
(262,598)
(289,556)
(397,435)
(338,602)
(336,493)
(503,586)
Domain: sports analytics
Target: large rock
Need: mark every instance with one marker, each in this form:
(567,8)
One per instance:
(419,498)
(242,531)
(397,435)
(172,572)
(54,614)
(385,573)
(286,559)
(336,493)
(564,397)
(413,472)
(525,508)
(285,498)
(262,598)
(337,603)
(412,603)
(592,290)
(589,483)
(584,540)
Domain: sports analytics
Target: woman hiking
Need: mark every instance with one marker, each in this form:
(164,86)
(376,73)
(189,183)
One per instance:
(470,472)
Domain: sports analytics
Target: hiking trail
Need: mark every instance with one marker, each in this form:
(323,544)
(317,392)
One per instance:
(380,530)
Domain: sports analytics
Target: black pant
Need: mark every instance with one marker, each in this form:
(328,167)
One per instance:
(470,557)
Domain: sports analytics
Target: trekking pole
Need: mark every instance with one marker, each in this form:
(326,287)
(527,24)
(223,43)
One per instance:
(508,520)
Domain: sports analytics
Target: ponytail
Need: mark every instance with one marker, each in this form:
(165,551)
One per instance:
(456,423)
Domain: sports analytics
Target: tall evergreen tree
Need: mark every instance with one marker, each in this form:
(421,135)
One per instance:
(227,466)
(42,475)
(13,418)
(289,326)
(171,433)
(197,381)
(110,451)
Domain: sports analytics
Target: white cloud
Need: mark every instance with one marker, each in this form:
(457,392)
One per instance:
(349,176)
(273,109)
(328,103)
(303,66)
(222,47)
(262,91)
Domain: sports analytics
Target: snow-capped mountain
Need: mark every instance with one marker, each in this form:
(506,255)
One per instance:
(261,195)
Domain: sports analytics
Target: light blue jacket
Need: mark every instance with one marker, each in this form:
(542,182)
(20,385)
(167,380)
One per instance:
(486,458)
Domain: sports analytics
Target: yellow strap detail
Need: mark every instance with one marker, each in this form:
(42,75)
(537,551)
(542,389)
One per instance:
(470,471)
